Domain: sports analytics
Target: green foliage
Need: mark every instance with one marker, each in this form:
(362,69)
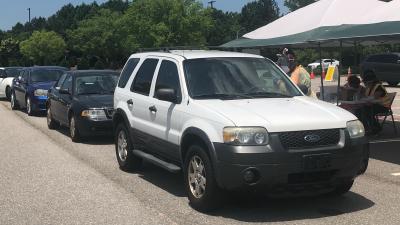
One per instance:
(9,51)
(258,13)
(98,37)
(296,4)
(43,47)
(158,23)
(225,26)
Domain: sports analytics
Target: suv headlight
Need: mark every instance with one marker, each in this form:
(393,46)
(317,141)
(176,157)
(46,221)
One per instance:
(356,129)
(245,135)
(40,92)
(94,114)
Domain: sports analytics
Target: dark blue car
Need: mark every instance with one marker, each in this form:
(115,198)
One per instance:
(30,87)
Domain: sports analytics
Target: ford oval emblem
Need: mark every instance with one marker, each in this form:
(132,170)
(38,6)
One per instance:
(312,138)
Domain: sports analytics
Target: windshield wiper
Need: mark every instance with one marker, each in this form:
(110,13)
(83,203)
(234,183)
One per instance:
(223,96)
(269,94)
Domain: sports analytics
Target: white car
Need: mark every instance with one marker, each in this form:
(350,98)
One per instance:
(7,75)
(325,63)
(232,121)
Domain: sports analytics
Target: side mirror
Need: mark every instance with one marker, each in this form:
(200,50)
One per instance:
(167,94)
(303,88)
(64,91)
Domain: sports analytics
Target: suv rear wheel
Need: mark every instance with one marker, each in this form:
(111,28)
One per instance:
(200,184)
(123,149)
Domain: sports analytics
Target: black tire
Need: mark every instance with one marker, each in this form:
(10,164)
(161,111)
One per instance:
(393,84)
(73,130)
(28,104)
(343,188)
(123,150)
(51,123)
(364,162)
(14,102)
(211,196)
(8,93)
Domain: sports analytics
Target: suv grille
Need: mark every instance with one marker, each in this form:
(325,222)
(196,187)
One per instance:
(309,138)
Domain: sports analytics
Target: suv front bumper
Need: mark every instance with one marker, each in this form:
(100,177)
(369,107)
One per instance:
(280,170)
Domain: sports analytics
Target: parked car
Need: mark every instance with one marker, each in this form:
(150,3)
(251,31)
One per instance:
(29,90)
(385,66)
(7,75)
(83,101)
(325,63)
(232,121)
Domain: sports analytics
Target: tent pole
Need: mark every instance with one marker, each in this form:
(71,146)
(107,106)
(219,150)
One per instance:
(340,69)
(322,79)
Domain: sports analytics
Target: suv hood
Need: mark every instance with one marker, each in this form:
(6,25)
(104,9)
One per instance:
(281,114)
(95,101)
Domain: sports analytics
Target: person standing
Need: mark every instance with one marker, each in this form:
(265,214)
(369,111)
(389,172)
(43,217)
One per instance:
(297,73)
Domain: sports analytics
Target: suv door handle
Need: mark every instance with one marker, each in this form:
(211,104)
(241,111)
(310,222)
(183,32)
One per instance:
(130,102)
(153,109)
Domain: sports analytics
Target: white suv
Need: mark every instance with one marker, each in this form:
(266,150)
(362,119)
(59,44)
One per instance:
(232,121)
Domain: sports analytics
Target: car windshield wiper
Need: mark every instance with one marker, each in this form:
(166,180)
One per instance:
(264,94)
(223,96)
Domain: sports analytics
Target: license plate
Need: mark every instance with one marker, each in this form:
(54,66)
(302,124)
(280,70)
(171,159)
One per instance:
(317,161)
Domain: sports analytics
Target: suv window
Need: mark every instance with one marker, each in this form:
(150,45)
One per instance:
(168,77)
(127,71)
(144,76)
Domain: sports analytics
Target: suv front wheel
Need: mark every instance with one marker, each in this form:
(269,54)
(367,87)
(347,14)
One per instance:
(123,149)
(200,184)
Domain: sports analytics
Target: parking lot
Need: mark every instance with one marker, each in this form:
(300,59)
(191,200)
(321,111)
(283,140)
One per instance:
(47,177)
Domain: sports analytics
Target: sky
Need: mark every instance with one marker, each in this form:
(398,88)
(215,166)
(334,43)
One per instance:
(13,11)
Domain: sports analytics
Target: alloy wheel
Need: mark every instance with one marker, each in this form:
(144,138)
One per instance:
(28,106)
(72,127)
(49,120)
(197,176)
(122,146)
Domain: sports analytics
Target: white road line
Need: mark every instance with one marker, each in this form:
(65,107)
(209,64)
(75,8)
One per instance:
(384,141)
(396,174)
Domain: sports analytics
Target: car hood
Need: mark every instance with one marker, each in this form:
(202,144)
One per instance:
(95,101)
(43,85)
(281,114)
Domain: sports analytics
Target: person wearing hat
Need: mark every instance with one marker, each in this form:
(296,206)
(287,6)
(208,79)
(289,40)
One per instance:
(297,72)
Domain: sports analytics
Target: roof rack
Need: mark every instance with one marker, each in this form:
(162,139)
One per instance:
(169,49)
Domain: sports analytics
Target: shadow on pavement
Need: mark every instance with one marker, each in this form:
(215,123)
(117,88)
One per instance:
(253,208)
(94,140)
(256,209)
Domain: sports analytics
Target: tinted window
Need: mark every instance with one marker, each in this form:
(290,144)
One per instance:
(144,76)
(95,84)
(127,72)
(168,77)
(25,75)
(61,80)
(2,73)
(67,83)
(13,72)
(45,75)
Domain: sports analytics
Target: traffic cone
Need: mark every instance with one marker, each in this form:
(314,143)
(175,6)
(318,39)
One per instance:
(312,75)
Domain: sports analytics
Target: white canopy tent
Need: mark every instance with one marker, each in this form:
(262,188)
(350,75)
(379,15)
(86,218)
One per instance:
(329,23)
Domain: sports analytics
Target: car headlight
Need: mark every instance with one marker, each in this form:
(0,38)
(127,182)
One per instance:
(94,114)
(40,92)
(246,135)
(356,129)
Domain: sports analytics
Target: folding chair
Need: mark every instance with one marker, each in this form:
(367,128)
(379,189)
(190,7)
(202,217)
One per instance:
(389,112)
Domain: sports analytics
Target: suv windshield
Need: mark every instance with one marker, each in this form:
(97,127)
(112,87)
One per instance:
(96,84)
(45,75)
(236,78)
(13,72)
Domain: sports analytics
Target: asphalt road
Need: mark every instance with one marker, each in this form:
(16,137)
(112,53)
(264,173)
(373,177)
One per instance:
(47,179)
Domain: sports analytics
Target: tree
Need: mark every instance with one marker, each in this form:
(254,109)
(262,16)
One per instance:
(158,23)
(296,4)
(224,28)
(98,37)
(43,47)
(258,13)
(9,51)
